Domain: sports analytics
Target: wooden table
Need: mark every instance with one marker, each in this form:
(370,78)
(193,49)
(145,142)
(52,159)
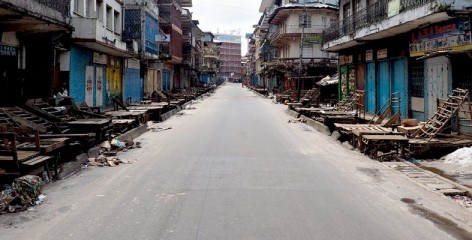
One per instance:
(374,143)
(99,126)
(46,145)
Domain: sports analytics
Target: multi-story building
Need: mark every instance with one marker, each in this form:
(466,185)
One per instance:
(293,31)
(249,62)
(211,63)
(33,35)
(95,63)
(230,56)
(420,49)
(192,51)
(170,20)
(141,28)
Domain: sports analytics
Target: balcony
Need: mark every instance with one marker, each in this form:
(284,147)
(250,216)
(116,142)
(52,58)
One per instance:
(35,15)
(378,21)
(186,37)
(165,17)
(285,34)
(91,33)
(164,52)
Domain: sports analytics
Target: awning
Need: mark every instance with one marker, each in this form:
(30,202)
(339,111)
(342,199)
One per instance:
(328,80)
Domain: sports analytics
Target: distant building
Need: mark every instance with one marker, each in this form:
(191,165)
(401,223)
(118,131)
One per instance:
(230,56)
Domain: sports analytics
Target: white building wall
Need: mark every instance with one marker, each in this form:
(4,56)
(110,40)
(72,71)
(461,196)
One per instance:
(91,22)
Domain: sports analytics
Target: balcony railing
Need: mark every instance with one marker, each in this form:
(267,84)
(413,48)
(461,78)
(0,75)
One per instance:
(297,29)
(374,13)
(61,6)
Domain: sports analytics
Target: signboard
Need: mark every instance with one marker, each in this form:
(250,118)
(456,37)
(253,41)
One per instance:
(163,38)
(89,85)
(100,58)
(313,39)
(6,50)
(445,36)
(348,59)
(369,55)
(382,53)
(393,8)
(99,86)
(345,59)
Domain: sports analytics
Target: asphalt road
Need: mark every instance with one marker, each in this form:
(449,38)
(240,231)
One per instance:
(234,168)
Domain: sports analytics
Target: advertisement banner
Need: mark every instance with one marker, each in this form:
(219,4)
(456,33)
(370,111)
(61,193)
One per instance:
(446,36)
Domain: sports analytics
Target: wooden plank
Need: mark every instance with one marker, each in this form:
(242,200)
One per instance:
(100,121)
(385,137)
(36,160)
(360,132)
(25,155)
(67,135)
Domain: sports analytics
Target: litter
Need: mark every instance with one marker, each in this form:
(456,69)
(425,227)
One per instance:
(298,120)
(25,192)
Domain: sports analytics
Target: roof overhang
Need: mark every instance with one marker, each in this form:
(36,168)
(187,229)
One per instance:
(102,47)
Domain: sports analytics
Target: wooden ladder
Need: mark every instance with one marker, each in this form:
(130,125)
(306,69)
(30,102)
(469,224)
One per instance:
(443,114)
(391,110)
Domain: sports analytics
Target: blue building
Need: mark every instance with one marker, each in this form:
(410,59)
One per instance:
(141,29)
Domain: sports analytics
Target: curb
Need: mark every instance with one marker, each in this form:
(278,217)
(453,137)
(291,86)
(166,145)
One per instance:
(320,127)
(292,113)
(133,133)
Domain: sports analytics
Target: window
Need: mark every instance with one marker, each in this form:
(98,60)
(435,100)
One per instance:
(332,22)
(417,78)
(79,7)
(99,9)
(117,22)
(76,6)
(307,51)
(304,20)
(90,9)
(357,6)
(324,22)
(109,19)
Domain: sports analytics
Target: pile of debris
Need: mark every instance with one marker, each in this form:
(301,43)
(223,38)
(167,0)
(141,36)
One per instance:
(103,161)
(22,194)
(154,127)
(463,200)
(298,120)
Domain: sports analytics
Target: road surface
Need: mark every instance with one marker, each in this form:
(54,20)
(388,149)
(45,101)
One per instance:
(234,168)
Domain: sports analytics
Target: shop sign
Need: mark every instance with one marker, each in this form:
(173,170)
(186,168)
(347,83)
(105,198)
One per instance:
(347,59)
(382,53)
(313,39)
(6,50)
(369,55)
(100,58)
(445,36)
(393,8)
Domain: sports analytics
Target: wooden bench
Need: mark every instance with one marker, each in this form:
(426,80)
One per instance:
(12,159)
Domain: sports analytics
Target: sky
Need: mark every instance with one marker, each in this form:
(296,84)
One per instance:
(227,15)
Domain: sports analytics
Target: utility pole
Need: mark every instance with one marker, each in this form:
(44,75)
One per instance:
(302,38)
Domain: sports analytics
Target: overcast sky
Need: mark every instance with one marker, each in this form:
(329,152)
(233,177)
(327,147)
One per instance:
(227,15)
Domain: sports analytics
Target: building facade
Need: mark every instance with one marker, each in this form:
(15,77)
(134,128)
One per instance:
(140,31)
(211,62)
(33,36)
(171,55)
(230,56)
(416,48)
(289,39)
(97,56)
